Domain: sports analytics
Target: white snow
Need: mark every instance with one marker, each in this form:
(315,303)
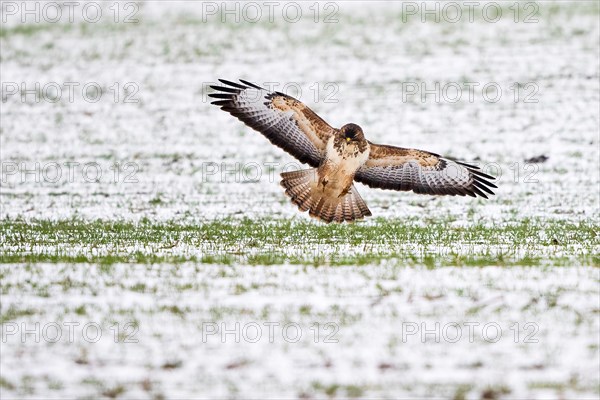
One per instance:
(179,158)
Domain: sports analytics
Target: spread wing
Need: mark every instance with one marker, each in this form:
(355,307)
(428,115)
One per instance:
(395,168)
(285,121)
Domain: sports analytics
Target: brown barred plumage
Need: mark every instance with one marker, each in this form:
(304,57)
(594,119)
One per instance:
(341,156)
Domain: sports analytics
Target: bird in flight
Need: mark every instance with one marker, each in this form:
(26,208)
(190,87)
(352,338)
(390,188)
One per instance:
(339,157)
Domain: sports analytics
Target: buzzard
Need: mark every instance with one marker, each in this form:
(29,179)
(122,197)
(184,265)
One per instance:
(339,157)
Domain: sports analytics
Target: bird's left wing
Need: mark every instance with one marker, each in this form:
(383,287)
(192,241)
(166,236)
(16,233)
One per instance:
(285,121)
(396,168)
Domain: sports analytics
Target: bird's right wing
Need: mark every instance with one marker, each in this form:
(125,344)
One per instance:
(285,121)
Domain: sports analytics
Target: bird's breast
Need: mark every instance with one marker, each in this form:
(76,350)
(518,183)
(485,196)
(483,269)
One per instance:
(347,156)
(341,162)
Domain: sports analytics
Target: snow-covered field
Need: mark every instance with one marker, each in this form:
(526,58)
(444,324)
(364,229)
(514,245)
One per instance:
(377,332)
(148,148)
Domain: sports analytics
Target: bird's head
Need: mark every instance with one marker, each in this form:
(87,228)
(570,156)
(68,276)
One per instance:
(351,132)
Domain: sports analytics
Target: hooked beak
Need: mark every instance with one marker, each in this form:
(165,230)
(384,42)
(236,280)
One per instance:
(348,139)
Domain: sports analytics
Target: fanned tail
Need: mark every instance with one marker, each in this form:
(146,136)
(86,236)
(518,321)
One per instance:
(301,187)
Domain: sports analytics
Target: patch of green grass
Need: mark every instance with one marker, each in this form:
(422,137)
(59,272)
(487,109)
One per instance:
(432,243)
(6,384)
(114,392)
(13,313)
(462,391)
(28,29)
(82,28)
(334,389)
(155,201)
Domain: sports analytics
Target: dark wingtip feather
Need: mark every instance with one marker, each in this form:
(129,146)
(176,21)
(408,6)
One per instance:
(474,169)
(482,187)
(482,181)
(464,164)
(478,192)
(481,174)
(225,89)
(251,84)
(220,102)
(235,85)
(228,96)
